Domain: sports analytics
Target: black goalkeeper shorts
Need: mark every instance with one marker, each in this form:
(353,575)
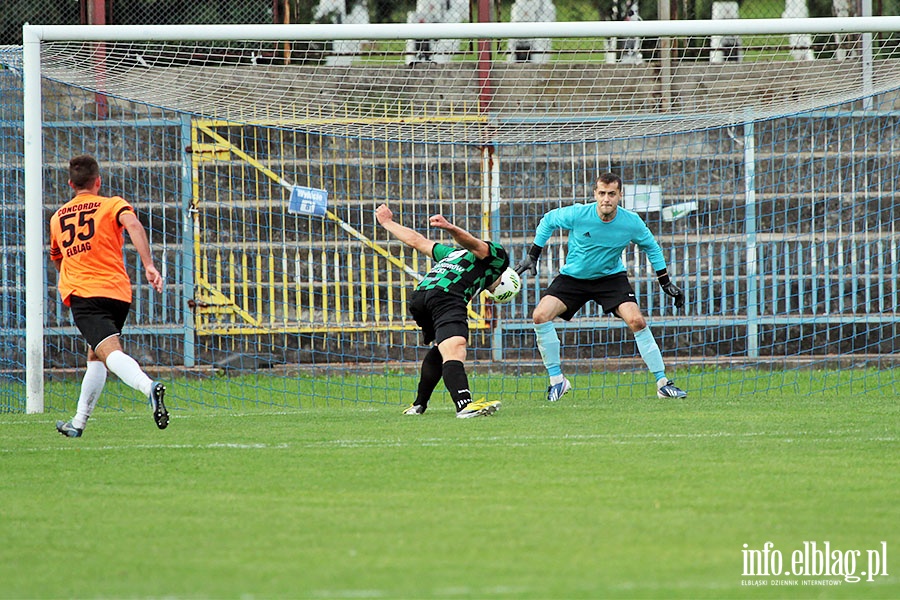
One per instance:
(609,292)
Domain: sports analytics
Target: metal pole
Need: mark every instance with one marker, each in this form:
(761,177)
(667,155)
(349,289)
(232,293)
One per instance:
(750,251)
(485,90)
(492,170)
(867,64)
(187,245)
(665,57)
(34,225)
(97,16)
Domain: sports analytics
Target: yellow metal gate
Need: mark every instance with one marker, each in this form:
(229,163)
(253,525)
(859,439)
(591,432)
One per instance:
(260,270)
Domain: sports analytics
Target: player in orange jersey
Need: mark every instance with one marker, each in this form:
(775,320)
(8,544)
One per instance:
(86,247)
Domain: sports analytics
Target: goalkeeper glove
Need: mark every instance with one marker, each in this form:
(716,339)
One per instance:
(670,288)
(529,263)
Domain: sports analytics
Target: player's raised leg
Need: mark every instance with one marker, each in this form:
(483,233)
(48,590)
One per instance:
(129,371)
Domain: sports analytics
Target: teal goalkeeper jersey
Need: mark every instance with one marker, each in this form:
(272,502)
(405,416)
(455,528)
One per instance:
(459,273)
(595,248)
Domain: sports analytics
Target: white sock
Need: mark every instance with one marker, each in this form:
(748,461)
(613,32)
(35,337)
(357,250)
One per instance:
(127,369)
(554,379)
(91,387)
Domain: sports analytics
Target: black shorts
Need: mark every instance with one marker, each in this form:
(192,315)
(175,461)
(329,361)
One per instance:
(98,318)
(440,315)
(609,292)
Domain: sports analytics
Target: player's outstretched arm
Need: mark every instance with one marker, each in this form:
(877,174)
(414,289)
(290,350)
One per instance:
(138,237)
(411,238)
(476,246)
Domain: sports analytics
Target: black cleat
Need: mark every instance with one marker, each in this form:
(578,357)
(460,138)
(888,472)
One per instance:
(160,414)
(67,429)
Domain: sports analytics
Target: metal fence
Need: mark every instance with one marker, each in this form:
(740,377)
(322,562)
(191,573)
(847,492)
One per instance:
(810,254)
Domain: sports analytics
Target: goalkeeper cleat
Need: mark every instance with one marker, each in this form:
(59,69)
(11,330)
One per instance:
(67,429)
(160,414)
(555,392)
(481,408)
(415,409)
(665,388)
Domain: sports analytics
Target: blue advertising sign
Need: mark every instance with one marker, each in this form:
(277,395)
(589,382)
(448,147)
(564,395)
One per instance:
(308,201)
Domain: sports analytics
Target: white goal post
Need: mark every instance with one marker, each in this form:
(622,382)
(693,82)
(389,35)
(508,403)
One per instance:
(502,122)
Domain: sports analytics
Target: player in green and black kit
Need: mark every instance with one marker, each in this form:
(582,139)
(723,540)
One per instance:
(438,305)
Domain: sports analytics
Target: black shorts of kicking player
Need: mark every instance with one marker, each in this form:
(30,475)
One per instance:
(609,292)
(98,318)
(440,315)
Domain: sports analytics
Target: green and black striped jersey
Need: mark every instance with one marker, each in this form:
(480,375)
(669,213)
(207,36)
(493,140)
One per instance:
(459,273)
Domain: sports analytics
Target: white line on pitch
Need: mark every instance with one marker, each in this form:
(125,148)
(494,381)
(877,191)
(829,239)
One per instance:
(572,440)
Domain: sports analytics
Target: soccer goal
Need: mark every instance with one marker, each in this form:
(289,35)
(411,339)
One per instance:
(256,156)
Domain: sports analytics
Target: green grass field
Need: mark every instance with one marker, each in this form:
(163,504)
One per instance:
(597,496)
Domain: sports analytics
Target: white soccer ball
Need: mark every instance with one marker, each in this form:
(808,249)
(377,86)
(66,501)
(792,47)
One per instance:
(510,285)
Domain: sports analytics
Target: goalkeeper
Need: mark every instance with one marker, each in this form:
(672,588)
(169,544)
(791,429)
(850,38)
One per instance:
(598,233)
(438,306)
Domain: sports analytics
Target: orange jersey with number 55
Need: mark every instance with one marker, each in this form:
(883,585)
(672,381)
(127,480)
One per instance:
(87,236)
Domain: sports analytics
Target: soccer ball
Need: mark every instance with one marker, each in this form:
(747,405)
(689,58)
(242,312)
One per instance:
(506,290)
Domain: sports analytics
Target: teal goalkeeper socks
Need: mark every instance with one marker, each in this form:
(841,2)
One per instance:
(650,352)
(548,344)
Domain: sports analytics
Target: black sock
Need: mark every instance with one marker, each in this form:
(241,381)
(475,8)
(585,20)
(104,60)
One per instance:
(429,376)
(457,383)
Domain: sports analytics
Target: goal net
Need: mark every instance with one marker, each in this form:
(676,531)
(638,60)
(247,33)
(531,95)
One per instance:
(761,154)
